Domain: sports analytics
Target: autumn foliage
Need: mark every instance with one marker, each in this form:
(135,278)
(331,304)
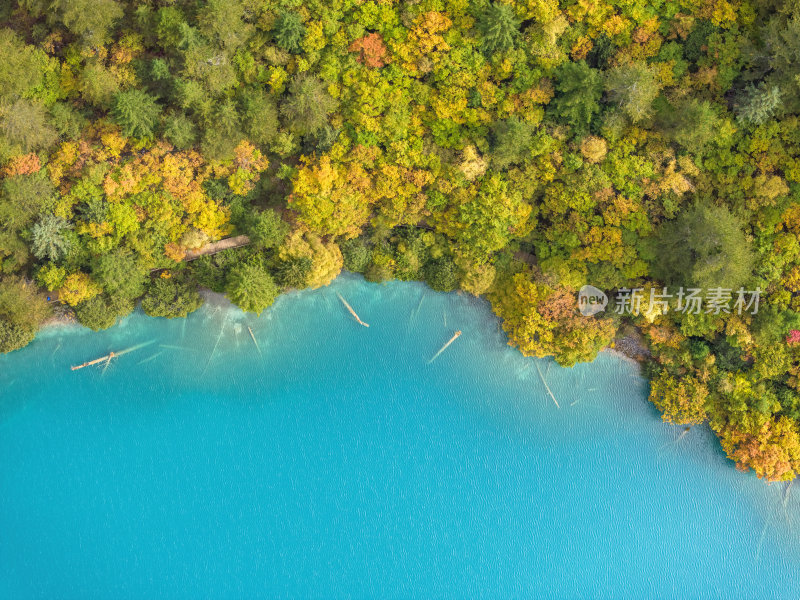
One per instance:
(371,50)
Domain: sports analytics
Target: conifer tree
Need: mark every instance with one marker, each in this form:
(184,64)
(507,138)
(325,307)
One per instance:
(499,27)
(579,89)
(293,273)
(136,112)
(758,103)
(48,237)
(289,31)
(704,247)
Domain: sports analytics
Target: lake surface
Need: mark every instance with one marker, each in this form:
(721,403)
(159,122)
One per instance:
(334,461)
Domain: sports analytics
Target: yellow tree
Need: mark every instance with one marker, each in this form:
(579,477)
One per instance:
(332,198)
(326,258)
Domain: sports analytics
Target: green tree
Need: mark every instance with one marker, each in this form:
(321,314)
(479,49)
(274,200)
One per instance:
(170,26)
(691,123)
(781,59)
(210,271)
(159,70)
(223,133)
(88,19)
(14,253)
(771,324)
(22,310)
(251,288)
(511,141)
(25,128)
(68,122)
(49,240)
(289,31)
(260,118)
(21,67)
(356,255)
(294,272)
(633,87)
(579,90)
(121,273)
(697,40)
(23,198)
(136,112)
(380,268)
(308,105)
(758,104)
(171,298)
(484,217)
(441,274)
(704,247)
(601,53)
(98,85)
(222,21)
(14,336)
(269,229)
(103,311)
(499,28)
(179,130)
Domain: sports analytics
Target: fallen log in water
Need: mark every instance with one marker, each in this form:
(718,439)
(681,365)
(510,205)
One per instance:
(252,335)
(547,387)
(352,312)
(107,358)
(443,348)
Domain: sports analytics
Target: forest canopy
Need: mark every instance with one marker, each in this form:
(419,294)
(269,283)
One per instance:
(516,149)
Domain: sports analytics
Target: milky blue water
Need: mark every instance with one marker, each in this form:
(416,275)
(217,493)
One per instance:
(333,461)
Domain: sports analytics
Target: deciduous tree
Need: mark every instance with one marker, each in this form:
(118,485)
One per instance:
(681,400)
(308,105)
(172,297)
(251,287)
(633,87)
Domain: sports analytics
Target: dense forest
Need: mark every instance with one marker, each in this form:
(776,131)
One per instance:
(515,149)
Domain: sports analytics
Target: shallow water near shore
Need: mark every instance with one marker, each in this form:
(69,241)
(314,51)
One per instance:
(333,461)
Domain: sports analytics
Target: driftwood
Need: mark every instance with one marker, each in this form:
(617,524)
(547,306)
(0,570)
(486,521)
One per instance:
(547,387)
(106,359)
(352,312)
(443,348)
(111,355)
(252,335)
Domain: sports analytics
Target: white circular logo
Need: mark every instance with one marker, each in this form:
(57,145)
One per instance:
(591,300)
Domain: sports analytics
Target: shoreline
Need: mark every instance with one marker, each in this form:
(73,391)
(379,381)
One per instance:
(622,356)
(628,347)
(62,318)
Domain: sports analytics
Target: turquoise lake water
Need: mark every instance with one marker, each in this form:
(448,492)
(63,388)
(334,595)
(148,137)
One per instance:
(335,462)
